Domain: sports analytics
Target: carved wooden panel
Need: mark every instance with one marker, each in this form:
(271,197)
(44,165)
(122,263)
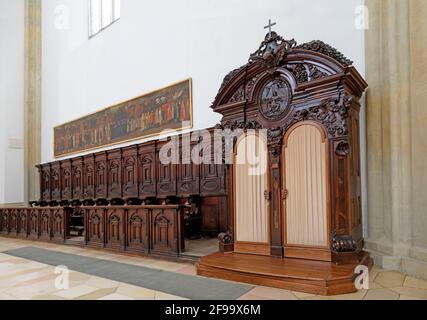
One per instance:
(166,235)
(101,175)
(212,174)
(14,222)
(34,224)
(4,222)
(147,171)
(114,173)
(166,176)
(45,183)
(355,175)
(89,177)
(138,230)
(46,224)
(115,228)
(188,175)
(130,172)
(77,179)
(340,189)
(66,180)
(213,211)
(166,180)
(60,224)
(95,227)
(55,172)
(212,179)
(23,223)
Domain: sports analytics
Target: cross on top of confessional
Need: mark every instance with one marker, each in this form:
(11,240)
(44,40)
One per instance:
(269,26)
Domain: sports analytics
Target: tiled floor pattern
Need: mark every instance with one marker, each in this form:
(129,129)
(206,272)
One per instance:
(184,285)
(24,279)
(201,247)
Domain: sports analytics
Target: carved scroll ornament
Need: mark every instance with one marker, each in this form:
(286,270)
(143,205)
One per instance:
(343,243)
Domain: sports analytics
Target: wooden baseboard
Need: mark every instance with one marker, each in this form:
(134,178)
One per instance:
(309,253)
(253,248)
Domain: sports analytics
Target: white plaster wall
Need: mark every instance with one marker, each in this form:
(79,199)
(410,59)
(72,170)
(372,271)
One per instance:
(11,101)
(156,43)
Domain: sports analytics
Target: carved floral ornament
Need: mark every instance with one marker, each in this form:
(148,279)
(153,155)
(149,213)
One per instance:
(272,54)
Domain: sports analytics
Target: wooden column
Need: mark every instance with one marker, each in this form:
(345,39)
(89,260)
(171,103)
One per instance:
(274,194)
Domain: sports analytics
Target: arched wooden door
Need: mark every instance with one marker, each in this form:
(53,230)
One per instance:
(250,205)
(306,193)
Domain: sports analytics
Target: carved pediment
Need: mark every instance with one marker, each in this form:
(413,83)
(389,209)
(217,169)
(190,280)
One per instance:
(230,76)
(304,63)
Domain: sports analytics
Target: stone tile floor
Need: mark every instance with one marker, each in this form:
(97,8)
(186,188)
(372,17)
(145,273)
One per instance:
(29,280)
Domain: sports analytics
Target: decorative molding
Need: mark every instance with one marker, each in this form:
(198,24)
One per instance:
(230,76)
(227,80)
(233,125)
(326,49)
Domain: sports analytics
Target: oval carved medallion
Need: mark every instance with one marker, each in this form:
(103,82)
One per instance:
(275,99)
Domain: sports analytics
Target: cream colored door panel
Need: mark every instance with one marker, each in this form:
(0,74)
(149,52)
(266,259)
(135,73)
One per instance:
(306,187)
(250,184)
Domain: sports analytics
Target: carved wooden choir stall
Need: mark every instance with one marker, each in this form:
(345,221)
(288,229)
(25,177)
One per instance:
(298,225)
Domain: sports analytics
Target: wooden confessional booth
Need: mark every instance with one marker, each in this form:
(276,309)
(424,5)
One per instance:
(298,225)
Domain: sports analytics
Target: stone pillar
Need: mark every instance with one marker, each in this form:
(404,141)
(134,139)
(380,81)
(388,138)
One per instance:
(396,69)
(32,108)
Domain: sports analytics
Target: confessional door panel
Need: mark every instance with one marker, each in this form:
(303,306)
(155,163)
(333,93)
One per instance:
(251,206)
(306,193)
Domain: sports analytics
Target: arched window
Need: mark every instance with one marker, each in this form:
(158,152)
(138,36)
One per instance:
(102,13)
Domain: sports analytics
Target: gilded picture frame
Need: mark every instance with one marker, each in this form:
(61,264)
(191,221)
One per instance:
(139,118)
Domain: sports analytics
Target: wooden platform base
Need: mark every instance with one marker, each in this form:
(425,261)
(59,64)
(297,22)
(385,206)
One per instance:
(316,277)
